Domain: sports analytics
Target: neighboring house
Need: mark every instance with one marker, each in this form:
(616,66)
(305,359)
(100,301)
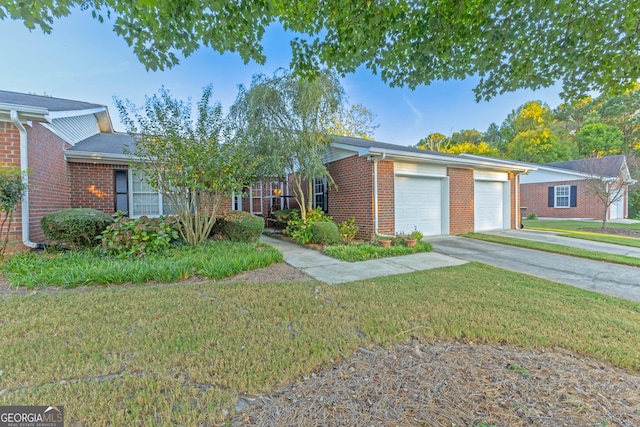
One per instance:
(563,190)
(390,189)
(75,159)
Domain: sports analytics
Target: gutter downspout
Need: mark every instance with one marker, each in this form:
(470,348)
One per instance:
(375,195)
(24,166)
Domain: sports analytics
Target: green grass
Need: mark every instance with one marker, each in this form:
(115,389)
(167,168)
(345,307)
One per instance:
(366,251)
(555,248)
(214,260)
(180,355)
(573,228)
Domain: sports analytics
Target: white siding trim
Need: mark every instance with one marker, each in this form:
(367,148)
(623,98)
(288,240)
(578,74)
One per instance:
(419,169)
(74,129)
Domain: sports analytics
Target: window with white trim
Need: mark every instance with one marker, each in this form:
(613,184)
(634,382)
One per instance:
(562,196)
(255,194)
(145,200)
(320,193)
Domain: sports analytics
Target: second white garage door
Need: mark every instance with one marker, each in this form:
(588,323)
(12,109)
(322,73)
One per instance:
(418,205)
(489,205)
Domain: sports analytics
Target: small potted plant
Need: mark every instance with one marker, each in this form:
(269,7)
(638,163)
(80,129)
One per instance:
(384,242)
(413,238)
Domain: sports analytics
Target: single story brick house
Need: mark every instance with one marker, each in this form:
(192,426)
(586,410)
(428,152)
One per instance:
(391,189)
(562,190)
(76,159)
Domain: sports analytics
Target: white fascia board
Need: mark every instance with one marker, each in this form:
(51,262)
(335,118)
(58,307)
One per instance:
(74,113)
(435,158)
(92,157)
(25,112)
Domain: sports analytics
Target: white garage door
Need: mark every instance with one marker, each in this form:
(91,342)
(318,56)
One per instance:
(489,205)
(616,209)
(418,205)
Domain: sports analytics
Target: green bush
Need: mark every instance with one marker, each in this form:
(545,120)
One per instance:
(283,216)
(532,216)
(348,230)
(129,237)
(239,226)
(75,228)
(300,230)
(325,233)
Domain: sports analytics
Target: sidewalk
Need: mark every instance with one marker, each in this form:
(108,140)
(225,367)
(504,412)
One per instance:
(332,271)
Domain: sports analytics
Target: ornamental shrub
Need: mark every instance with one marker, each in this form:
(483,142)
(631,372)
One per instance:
(301,231)
(348,230)
(75,228)
(325,233)
(239,226)
(283,216)
(128,237)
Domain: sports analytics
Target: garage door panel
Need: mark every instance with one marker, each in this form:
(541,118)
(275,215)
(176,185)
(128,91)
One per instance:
(489,205)
(418,205)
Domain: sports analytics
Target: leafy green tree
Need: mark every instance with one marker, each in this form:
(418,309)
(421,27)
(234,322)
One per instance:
(589,46)
(622,111)
(12,190)
(433,142)
(481,148)
(538,146)
(193,164)
(357,121)
(287,121)
(598,140)
(470,136)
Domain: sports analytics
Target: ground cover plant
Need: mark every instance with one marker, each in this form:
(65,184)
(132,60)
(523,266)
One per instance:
(555,248)
(616,233)
(183,354)
(213,259)
(364,251)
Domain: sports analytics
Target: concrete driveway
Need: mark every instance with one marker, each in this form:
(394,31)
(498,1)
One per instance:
(607,278)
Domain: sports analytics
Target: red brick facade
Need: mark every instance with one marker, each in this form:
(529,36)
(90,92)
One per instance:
(48,177)
(93,186)
(461,196)
(353,196)
(10,156)
(535,198)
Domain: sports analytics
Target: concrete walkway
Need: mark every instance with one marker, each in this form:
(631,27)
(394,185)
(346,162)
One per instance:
(552,237)
(607,278)
(332,271)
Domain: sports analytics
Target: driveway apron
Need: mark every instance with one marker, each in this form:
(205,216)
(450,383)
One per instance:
(607,278)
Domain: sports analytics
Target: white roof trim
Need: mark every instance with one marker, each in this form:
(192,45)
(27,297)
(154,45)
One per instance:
(92,157)
(26,112)
(435,158)
(73,113)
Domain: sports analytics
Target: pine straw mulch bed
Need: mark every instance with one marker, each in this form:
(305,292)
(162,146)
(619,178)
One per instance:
(453,384)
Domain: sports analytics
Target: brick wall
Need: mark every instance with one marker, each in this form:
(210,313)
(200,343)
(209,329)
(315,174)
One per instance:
(514,179)
(353,196)
(386,198)
(10,156)
(461,196)
(93,186)
(48,178)
(535,197)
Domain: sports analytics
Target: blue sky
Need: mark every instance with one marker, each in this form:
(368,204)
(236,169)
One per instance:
(85,60)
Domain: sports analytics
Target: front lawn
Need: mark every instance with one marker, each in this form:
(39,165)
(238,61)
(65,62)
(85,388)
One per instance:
(213,260)
(576,229)
(365,251)
(181,355)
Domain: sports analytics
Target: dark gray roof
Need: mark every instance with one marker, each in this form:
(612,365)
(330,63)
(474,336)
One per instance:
(358,142)
(604,166)
(51,104)
(105,143)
